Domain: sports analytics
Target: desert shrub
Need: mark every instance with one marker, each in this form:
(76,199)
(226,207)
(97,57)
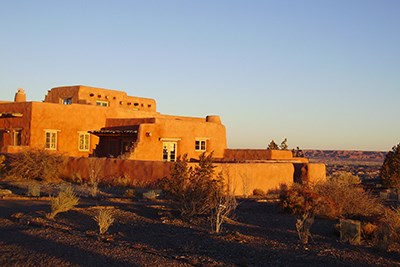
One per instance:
(196,191)
(33,190)
(390,170)
(122,181)
(345,178)
(2,161)
(388,232)
(129,193)
(93,189)
(259,192)
(64,201)
(368,230)
(76,178)
(38,164)
(151,195)
(104,219)
(348,201)
(226,205)
(303,202)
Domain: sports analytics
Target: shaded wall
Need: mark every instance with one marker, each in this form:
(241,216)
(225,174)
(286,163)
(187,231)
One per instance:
(242,178)
(108,169)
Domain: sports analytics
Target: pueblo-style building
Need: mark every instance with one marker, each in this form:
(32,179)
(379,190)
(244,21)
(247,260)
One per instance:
(131,138)
(87,121)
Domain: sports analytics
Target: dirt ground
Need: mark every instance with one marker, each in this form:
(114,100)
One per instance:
(150,233)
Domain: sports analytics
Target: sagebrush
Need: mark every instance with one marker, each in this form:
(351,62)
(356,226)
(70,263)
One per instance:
(348,200)
(37,164)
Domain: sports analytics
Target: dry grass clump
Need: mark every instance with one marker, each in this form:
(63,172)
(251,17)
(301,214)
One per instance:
(104,219)
(37,164)
(65,201)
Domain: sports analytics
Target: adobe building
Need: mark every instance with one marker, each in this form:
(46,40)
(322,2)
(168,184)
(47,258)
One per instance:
(81,122)
(87,121)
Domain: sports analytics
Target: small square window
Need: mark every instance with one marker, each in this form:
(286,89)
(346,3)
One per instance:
(102,103)
(200,145)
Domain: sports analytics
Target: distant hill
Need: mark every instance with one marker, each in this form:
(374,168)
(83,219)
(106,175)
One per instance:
(364,164)
(346,156)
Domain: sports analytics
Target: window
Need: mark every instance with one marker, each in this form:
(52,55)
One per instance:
(67,101)
(200,145)
(169,151)
(17,137)
(84,141)
(51,139)
(101,103)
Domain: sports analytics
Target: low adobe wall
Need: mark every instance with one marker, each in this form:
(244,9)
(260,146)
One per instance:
(242,178)
(108,169)
(257,154)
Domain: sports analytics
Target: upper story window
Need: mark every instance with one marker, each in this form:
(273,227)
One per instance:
(84,141)
(51,139)
(67,101)
(102,103)
(200,145)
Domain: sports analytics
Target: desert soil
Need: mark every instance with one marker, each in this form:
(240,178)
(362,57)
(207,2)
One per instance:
(150,233)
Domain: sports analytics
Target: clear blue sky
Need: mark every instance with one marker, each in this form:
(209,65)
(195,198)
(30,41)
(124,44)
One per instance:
(324,74)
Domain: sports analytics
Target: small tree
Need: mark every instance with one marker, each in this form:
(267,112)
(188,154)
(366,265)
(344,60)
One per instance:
(273,146)
(298,153)
(284,145)
(199,191)
(390,170)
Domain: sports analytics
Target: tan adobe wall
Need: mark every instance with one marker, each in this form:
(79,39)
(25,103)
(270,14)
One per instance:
(68,120)
(316,172)
(7,125)
(90,95)
(243,178)
(152,135)
(137,171)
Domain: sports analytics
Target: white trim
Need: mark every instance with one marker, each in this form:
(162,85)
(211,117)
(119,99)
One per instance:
(51,145)
(84,144)
(201,138)
(170,139)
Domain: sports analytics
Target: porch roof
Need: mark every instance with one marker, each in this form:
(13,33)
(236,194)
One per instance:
(116,131)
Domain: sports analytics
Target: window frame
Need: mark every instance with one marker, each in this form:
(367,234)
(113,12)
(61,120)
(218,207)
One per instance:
(17,137)
(101,103)
(51,142)
(83,141)
(200,144)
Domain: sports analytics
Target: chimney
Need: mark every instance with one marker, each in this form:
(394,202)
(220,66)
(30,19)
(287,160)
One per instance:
(20,95)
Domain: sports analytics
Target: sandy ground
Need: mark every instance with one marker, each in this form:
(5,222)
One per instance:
(150,233)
